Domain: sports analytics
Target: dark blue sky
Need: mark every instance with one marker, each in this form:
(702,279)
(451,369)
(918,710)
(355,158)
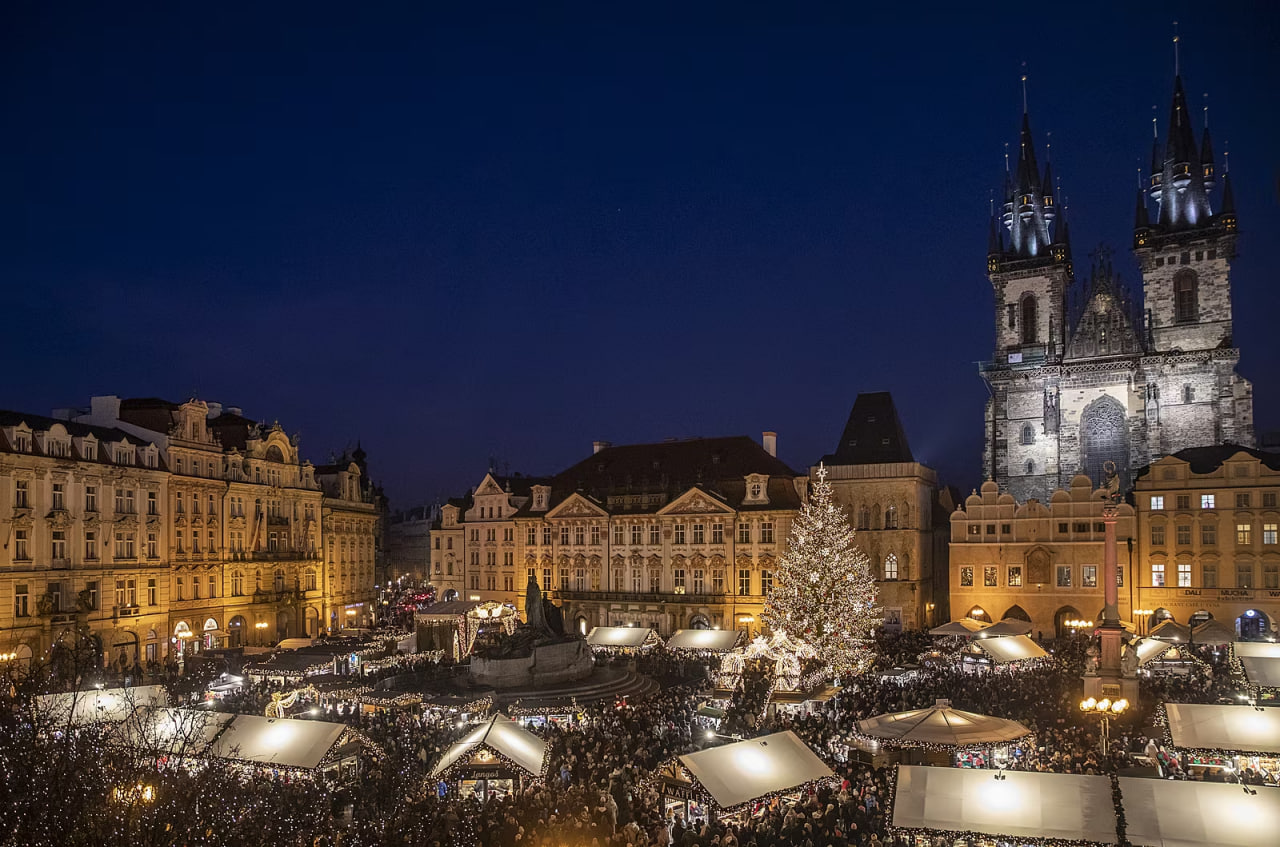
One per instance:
(461,231)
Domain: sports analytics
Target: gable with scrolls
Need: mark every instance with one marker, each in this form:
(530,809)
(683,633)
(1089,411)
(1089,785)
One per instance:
(695,501)
(577,506)
(488,485)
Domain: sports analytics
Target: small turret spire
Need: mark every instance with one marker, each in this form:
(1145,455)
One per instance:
(1177,69)
(1024,88)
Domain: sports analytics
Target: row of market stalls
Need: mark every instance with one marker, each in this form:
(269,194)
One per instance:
(629,639)
(981,646)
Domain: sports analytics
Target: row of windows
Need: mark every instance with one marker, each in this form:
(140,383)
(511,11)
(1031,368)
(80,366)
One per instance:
(694,581)
(1064,527)
(1209,534)
(1244,500)
(195,542)
(1245,576)
(1064,576)
(125,545)
(579,535)
(126,595)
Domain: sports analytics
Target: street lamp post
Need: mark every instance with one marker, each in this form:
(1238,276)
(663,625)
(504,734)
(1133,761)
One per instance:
(1106,710)
(261,627)
(1141,618)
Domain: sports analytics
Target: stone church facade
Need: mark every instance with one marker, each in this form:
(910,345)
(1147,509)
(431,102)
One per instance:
(1081,375)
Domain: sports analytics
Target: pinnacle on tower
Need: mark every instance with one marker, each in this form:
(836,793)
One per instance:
(1028,207)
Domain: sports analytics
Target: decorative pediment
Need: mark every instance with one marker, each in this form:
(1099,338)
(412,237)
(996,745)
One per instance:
(488,485)
(695,501)
(577,506)
(59,518)
(655,561)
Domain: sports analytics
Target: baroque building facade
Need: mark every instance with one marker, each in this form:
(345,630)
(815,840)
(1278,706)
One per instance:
(1039,562)
(180,527)
(1208,539)
(898,510)
(1081,375)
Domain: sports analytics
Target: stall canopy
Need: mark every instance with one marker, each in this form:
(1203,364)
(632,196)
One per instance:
(110,705)
(1010,648)
(1214,632)
(737,773)
(1243,729)
(1257,649)
(1023,804)
(178,732)
(942,725)
(502,736)
(1149,650)
(1261,672)
(1171,813)
(964,627)
(281,742)
(618,636)
(718,640)
(1171,630)
(1008,626)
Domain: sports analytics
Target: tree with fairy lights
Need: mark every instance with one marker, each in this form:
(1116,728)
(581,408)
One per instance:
(824,591)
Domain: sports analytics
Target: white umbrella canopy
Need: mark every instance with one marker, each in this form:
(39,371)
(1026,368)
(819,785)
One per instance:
(1008,626)
(1171,630)
(964,627)
(943,726)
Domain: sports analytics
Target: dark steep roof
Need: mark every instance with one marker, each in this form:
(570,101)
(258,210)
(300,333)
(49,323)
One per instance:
(42,423)
(1208,459)
(873,434)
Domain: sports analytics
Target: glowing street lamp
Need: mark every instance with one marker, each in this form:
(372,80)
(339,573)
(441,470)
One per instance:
(1106,709)
(1142,617)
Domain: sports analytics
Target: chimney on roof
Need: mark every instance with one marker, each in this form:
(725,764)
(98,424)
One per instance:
(597,446)
(215,409)
(235,410)
(104,410)
(770,441)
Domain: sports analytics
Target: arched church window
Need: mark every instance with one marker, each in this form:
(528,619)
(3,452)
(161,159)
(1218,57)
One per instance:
(1031,467)
(891,517)
(1188,394)
(1028,319)
(1185,299)
(891,566)
(864,518)
(1104,437)
(1028,434)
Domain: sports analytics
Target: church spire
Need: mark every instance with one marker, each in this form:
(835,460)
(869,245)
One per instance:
(1028,208)
(1181,174)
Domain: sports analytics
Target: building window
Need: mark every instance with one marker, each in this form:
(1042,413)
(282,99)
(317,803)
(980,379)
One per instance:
(1208,534)
(679,534)
(698,581)
(1028,434)
(1268,499)
(617,535)
(975,530)
(1157,502)
(546,579)
(655,581)
(579,535)
(766,532)
(595,536)
(891,517)
(21,494)
(21,552)
(677,580)
(1031,467)
(864,518)
(91,544)
(1183,500)
(91,498)
(1268,533)
(1157,575)
(655,534)
(990,576)
(1206,501)
(891,567)
(1271,576)
(1064,576)
(59,496)
(1244,575)
(1242,500)
(717,581)
(1015,576)
(58,544)
(699,534)
(636,535)
(966,577)
(181,589)
(637,581)
(1089,576)
(237,584)
(124,501)
(309,582)
(1157,535)
(151,591)
(1184,574)
(1244,534)
(21,601)
(1184,534)
(717,533)
(564,535)
(1028,319)
(1006,529)
(744,533)
(744,582)
(766,582)
(1209,576)
(1184,296)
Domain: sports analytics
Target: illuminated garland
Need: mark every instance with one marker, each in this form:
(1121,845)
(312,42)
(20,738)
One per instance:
(1027,740)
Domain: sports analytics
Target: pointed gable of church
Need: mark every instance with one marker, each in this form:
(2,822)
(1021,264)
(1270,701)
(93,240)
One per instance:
(1107,324)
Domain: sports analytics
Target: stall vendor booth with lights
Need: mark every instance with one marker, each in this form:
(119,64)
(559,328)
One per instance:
(739,780)
(494,759)
(1222,743)
(941,735)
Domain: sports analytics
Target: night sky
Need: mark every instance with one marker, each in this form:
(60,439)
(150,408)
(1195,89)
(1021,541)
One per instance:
(461,232)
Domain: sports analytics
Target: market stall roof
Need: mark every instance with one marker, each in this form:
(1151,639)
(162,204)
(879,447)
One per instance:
(178,732)
(942,725)
(1022,804)
(294,643)
(737,773)
(1171,630)
(283,742)
(503,736)
(1245,729)
(964,626)
(618,636)
(447,609)
(1149,649)
(1174,813)
(721,640)
(109,705)
(1214,632)
(1261,672)
(1008,626)
(1010,648)
(1257,649)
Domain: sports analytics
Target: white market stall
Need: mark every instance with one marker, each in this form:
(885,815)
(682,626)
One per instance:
(622,639)
(184,733)
(708,640)
(286,743)
(1257,649)
(109,705)
(963,628)
(1226,739)
(1008,652)
(941,734)
(1007,626)
(1175,813)
(726,780)
(1025,807)
(493,758)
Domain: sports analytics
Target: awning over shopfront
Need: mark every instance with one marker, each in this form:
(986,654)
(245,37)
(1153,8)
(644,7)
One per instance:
(110,705)
(716,640)
(1021,804)
(1173,813)
(738,773)
(964,627)
(1010,648)
(618,636)
(502,736)
(942,726)
(1243,729)
(278,742)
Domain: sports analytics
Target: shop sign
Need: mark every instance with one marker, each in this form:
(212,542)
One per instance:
(490,773)
(679,792)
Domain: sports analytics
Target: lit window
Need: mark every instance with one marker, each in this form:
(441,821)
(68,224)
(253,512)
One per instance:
(1157,575)
(1244,534)
(1184,574)
(1015,576)
(1089,576)
(1206,501)
(966,577)
(1064,576)
(1157,502)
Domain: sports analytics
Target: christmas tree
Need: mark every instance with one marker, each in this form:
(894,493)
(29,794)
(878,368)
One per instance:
(824,591)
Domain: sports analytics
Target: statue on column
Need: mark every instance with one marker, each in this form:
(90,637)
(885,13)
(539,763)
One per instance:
(1111,487)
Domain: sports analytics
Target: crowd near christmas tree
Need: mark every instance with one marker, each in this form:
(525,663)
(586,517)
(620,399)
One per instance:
(63,786)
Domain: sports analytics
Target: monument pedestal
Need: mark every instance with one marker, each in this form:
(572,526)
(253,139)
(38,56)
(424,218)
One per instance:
(1111,686)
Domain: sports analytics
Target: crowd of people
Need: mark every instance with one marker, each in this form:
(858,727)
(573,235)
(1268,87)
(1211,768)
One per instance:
(599,790)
